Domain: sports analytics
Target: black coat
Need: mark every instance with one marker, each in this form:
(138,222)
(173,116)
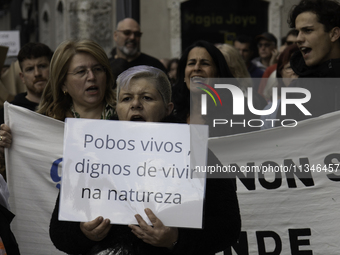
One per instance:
(322,81)
(6,234)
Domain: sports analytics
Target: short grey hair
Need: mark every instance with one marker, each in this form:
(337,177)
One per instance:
(150,73)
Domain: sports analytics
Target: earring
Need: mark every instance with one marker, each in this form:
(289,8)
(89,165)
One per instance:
(65,92)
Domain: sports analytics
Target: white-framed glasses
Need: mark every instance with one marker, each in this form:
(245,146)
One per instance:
(83,72)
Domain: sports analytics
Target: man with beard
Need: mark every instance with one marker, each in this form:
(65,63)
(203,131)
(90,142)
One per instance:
(34,60)
(127,52)
(267,49)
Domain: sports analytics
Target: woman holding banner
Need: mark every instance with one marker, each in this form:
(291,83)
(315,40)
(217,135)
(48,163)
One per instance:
(144,94)
(80,86)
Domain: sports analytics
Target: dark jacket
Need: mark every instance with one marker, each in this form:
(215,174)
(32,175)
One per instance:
(119,65)
(6,234)
(320,82)
(328,69)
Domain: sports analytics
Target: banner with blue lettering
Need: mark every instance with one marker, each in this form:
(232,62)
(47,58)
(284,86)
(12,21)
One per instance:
(288,181)
(33,175)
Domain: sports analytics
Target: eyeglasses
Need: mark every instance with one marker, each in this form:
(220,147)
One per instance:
(129,32)
(83,72)
(266,45)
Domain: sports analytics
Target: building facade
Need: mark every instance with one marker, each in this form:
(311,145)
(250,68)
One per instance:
(53,21)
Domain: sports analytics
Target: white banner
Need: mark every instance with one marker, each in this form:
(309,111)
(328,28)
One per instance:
(279,215)
(289,193)
(116,169)
(33,172)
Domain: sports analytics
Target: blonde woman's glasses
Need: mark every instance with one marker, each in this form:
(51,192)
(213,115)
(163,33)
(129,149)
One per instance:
(83,72)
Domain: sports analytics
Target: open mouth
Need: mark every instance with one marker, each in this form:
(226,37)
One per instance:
(137,118)
(197,79)
(92,88)
(305,50)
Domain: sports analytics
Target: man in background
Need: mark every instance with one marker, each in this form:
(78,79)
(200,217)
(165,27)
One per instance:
(34,60)
(244,44)
(290,38)
(267,49)
(127,52)
(270,71)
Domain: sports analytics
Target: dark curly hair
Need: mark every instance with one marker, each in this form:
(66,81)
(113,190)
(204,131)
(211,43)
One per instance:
(327,11)
(34,50)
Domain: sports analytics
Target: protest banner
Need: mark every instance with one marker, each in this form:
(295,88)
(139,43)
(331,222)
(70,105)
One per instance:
(33,174)
(287,186)
(280,215)
(116,169)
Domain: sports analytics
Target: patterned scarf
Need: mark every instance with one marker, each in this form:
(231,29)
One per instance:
(106,114)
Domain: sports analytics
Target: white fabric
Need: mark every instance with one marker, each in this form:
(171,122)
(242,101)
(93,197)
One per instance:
(288,213)
(282,211)
(37,143)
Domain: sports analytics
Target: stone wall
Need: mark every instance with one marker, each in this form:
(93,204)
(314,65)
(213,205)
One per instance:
(160,23)
(91,19)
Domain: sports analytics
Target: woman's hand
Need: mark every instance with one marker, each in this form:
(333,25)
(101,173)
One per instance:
(97,229)
(157,234)
(5,138)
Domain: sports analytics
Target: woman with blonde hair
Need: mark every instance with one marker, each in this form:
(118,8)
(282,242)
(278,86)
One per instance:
(236,65)
(80,84)
(239,70)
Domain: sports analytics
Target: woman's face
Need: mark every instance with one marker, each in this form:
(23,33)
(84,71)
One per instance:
(141,101)
(85,81)
(288,74)
(199,65)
